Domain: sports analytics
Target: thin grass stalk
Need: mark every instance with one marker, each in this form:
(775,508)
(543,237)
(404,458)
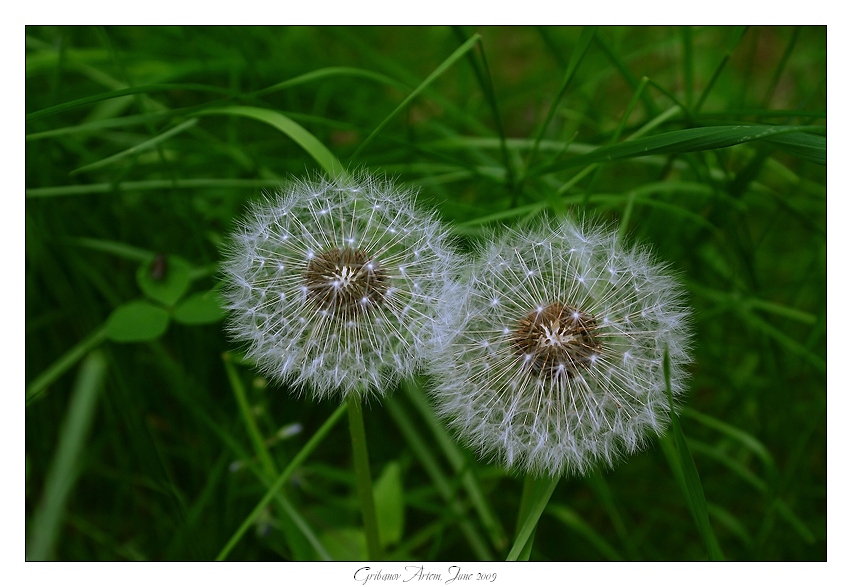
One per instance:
(62,364)
(65,467)
(282,478)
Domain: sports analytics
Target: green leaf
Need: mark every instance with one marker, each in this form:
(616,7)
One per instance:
(164,279)
(149,185)
(680,460)
(423,450)
(118,249)
(345,544)
(805,145)
(63,363)
(200,308)
(137,322)
(326,72)
(573,521)
(126,92)
(390,506)
(541,490)
(742,437)
(448,62)
(577,56)
(685,141)
(138,148)
(285,475)
(65,467)
(302,137)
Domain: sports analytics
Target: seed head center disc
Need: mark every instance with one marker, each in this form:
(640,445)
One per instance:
(345,281)
(556,340)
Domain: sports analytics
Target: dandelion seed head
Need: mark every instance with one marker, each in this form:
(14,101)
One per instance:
(331,284)
(574,375)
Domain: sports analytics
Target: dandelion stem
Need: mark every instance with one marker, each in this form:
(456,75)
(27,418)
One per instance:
(361,462)
(536,495)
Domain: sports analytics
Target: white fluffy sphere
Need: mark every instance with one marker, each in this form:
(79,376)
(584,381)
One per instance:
(556,364)
(333,284)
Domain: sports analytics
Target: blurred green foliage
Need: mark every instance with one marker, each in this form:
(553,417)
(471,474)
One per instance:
(134,173)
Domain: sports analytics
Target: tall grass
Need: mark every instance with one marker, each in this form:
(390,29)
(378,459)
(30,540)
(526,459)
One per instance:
(144,144)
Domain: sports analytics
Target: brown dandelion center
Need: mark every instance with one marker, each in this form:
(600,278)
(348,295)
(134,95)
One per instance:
(556,340)
(347,282)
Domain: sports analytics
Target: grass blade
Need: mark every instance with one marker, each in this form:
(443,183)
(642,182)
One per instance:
(683,467)
(573,521)
(63,363)
(235,447)
(501,215)
(576,58)
(460,465)
(141,147)
(539,497)
(282,479)
(779,69)
(121,250)
(783,339)
(483,76)
(646,128)
(108,123)
(65,465)
(738,35)
(295,131)
(744,438)
(422,451)
(730,521)
(685,141)
(632,81)
(149,185)
(457,54)
(327,72)
(688,64)
(127,92)
(261,452)
(805,145)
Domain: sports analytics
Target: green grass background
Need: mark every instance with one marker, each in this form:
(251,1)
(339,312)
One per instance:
(144,144)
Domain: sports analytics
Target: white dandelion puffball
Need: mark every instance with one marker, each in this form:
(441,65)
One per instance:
(332,284)
(557,365)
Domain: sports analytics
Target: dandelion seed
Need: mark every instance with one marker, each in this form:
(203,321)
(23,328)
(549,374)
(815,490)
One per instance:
(354,302)
(573,376)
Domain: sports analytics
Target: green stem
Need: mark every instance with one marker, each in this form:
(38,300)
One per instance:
(536,495)
(256,437)
(268,470)
(523,512)
(63,363)
(361,462)
(67,461)
(423,451)
(282,478)
(460,464)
